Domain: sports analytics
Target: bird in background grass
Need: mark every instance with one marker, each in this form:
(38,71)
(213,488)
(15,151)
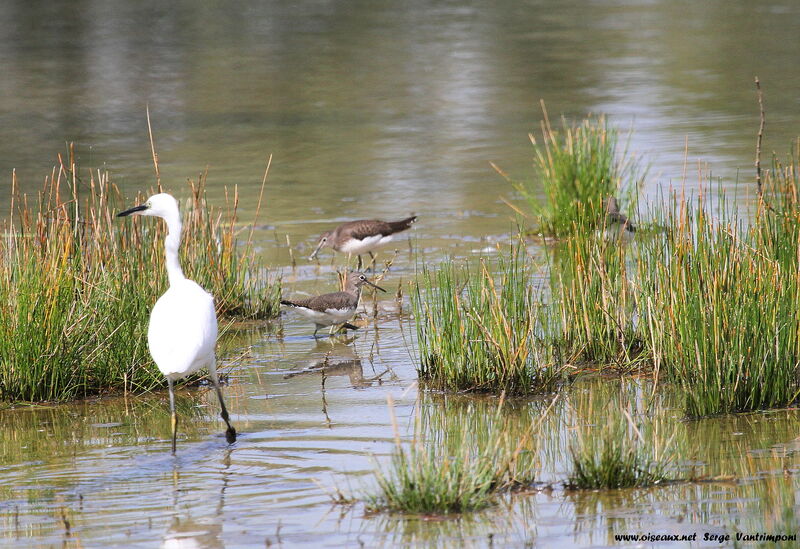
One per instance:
(336,308)
(362,236)
(182,333)
(615,218)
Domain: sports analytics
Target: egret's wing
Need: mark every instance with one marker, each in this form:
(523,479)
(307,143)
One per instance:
(183,329)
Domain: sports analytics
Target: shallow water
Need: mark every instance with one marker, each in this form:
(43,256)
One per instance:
(374,109)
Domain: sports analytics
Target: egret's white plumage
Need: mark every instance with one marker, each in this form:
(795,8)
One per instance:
(183,330)
(183,324)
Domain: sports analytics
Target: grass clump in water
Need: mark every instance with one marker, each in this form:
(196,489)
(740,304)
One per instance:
(594,302)
(479,328)
(579,167)
(424,480)
(615,456)
(721,315)
(77,287)
(461,457)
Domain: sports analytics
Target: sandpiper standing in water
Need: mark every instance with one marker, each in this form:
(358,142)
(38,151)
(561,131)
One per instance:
(362,236)
(333,309)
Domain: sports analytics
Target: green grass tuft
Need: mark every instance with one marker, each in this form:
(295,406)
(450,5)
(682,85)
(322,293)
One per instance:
(463,454)
(423,480)
(479,328)
(579,167)
(593,301)
(615,455)
(720,315)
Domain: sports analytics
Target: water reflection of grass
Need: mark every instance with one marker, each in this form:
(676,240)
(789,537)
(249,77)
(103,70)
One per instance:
(511,523)
(77,286)
(32,433)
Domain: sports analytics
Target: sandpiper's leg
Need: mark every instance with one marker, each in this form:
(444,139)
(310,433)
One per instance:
(174,416)
(317,330)
(359,262)
(372,261)
(230,433)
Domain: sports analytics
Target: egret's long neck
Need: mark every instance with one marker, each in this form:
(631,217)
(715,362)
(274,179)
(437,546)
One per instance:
(171,244)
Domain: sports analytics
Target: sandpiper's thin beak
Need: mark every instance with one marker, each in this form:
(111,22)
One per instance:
(374,285)
(316,251)
(133,210)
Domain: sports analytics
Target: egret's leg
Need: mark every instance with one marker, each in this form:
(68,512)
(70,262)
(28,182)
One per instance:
(172,412)
(230,433)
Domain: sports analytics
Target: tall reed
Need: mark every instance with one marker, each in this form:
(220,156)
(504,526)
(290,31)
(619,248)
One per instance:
(720,313)
(479,328)
(593,301)
(76,285)
(579,167)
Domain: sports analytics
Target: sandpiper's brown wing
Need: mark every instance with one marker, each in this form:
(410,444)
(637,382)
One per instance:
(617,217)
(364,228)
(335,300)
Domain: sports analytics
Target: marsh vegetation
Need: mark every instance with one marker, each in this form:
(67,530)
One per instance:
(706,306)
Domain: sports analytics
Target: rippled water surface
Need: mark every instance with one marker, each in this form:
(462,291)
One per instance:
(373,109)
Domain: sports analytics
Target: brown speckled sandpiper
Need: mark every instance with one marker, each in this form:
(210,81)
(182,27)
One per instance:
(333,309)
(362,236)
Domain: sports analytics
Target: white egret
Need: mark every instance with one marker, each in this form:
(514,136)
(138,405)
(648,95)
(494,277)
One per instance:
(183,324)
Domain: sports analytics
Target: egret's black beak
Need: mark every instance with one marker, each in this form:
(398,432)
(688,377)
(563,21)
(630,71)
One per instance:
(129,211)
(374,285)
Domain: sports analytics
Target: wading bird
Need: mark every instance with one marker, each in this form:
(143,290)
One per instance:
(183,324)
(336,308)
(615,218)
(362,236)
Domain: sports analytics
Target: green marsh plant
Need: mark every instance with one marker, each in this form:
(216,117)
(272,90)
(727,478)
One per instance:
(720,314)
(579,166)
(479,327)
(615,454)
(464,453)
(594,305)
